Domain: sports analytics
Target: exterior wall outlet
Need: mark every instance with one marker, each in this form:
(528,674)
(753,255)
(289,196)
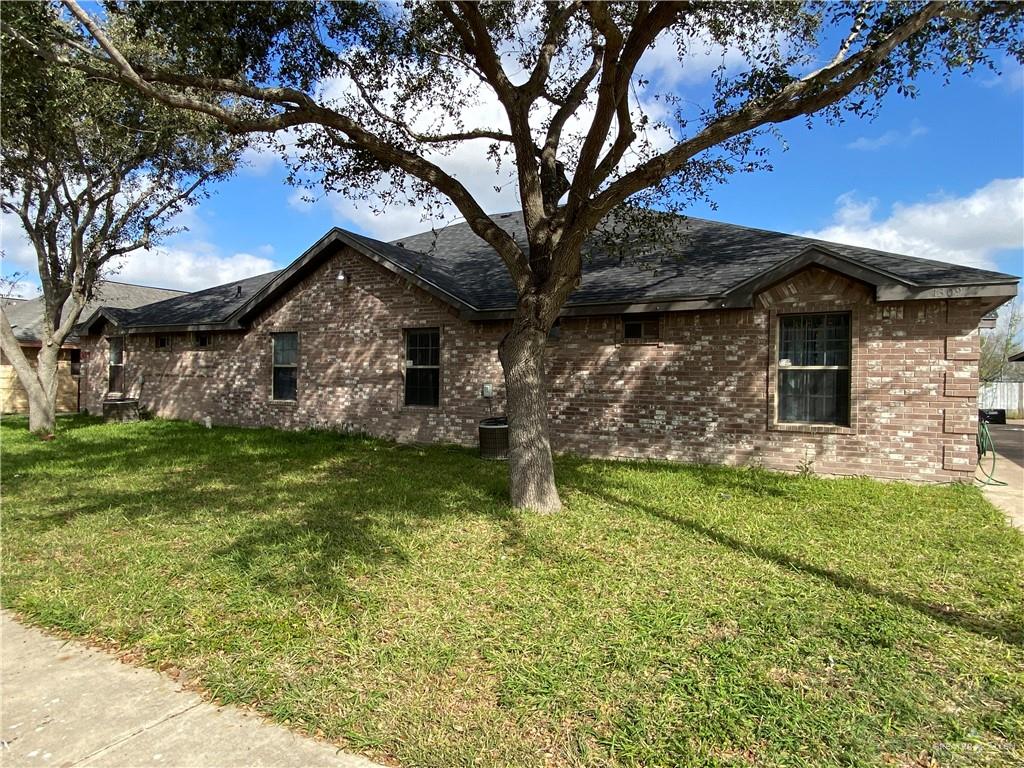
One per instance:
(487,390)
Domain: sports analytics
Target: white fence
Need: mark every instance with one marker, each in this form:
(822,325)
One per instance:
(1002,394)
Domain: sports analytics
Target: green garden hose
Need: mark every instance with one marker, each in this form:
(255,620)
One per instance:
(986,446)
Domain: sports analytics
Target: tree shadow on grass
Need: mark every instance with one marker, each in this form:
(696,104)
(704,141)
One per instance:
(66,422)
(584,473)
(946,614)
(337,529)
(298,509)
(332,504)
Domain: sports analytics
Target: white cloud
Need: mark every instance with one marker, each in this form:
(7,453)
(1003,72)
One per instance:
(467,162)
(258,161)
(22,289)
(19,258)
(189,266)
(265,152)
(662,64)
(1010,76)
(301,200)
(19,255)
(891,138)
(187,261)
(967,230)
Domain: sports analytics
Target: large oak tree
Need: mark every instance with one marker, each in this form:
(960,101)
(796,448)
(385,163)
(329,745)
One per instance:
(92,172)
(376,94)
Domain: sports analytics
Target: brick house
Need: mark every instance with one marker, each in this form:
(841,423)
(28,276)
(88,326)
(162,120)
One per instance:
(26,318)
(738,346)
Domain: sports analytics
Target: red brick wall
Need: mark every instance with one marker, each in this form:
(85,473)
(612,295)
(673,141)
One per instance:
(704,393)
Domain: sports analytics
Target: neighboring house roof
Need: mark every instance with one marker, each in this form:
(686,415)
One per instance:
(26,317)
(1018,358)
(708,265)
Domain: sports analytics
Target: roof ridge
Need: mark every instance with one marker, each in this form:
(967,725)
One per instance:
(141,285)
(222,285)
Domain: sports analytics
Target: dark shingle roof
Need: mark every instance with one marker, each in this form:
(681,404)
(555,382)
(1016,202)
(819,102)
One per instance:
(212,305)
(705,260)
(27,316)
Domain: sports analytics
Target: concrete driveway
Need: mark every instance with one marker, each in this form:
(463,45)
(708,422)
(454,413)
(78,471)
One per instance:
(1009,441)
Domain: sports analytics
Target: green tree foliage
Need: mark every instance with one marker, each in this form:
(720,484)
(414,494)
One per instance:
(93,172)
(1001,343)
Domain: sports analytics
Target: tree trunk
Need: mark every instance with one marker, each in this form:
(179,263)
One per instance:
(39,380)
(41,412)
(531,471)
(42,398)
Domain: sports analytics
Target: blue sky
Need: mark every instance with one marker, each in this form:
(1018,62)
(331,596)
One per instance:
(939,176)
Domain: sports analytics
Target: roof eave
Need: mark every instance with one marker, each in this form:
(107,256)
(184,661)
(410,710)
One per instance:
(887,287)
(591,309)
(183,328)
(987,290)
(85,327)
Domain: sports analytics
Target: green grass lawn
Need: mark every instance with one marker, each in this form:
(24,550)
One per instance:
(386,597)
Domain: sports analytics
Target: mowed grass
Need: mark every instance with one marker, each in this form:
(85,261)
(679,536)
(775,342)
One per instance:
(387,598)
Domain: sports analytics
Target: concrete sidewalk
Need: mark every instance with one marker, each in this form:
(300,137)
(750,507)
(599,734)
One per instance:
(1009,442)
(63,704)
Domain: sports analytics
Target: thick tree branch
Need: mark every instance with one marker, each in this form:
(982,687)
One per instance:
(620,61)
(809,94)
(560,16)
(472,27)
(310,112)
(13,352)
(553,179)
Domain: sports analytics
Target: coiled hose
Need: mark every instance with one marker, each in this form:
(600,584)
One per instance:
(986,447)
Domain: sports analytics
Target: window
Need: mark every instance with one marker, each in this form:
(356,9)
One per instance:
(115,378)
(641,329)
(423,366)
(286,365)
(76,362)
(202,340)
(814,369)
(163,342)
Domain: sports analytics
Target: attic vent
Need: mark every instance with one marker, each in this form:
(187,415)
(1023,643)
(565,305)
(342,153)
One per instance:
(238,290)
(400,244)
